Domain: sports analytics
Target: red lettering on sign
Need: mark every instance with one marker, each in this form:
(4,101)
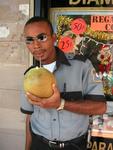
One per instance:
(102,23)
(78,26)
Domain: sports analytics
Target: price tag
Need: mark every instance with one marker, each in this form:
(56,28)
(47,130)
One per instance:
(78,26)
(66,44)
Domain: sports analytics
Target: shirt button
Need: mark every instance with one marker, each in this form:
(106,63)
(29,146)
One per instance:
(54,119)
(55,139)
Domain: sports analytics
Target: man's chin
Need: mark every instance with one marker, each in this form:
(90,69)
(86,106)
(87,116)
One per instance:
(41,58)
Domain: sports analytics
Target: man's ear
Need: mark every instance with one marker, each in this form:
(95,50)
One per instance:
(54,37)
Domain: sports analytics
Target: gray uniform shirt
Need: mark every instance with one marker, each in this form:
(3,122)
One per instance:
(75,82)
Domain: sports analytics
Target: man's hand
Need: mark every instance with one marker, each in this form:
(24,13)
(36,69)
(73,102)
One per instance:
(51,102)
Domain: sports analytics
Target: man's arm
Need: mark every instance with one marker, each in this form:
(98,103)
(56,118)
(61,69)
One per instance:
(87,107)
(28,133)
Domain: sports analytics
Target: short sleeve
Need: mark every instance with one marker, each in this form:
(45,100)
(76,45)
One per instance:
(92,90)
(25,106)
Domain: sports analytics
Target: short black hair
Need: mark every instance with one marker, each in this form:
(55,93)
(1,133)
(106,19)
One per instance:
(39,19)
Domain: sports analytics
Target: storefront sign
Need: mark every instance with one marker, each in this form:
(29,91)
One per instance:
(89,2)
(102,131)
(81,3)
(99,143)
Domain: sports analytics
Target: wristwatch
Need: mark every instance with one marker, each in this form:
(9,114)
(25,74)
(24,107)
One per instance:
(61,107)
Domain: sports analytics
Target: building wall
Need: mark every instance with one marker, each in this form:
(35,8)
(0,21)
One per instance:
(14,59)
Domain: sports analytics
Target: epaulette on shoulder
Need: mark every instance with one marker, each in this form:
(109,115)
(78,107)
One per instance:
(80,57)
(29,69)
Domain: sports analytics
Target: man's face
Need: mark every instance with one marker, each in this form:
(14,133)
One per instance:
(40,42)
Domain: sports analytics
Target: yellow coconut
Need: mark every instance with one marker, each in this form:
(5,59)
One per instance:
(39,81)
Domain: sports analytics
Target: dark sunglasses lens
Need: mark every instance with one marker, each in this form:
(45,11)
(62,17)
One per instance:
(42,37)
(29,40)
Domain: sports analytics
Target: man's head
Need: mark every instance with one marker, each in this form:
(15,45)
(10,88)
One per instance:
(40,39)
(40,19)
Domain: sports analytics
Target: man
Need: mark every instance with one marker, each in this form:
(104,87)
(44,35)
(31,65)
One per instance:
(60,121)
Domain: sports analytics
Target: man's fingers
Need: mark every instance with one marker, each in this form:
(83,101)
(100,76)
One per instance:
(54,88)
(33,97)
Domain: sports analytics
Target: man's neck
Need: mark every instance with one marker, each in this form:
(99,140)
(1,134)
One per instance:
(51,59)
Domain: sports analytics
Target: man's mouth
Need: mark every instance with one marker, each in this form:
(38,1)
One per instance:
(38,53)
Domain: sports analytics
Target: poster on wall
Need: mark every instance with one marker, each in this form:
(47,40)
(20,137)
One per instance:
(88,32)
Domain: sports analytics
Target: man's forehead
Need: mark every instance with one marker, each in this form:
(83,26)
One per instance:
(38,27)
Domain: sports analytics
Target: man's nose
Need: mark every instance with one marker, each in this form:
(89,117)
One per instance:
(36,43)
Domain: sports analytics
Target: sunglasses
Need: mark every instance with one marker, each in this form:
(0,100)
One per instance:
(40,38)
